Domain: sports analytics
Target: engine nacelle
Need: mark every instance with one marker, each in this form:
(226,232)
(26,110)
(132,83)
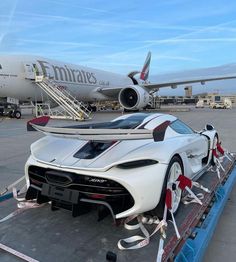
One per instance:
(133,97)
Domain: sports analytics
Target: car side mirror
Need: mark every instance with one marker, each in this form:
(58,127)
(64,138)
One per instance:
(209,127)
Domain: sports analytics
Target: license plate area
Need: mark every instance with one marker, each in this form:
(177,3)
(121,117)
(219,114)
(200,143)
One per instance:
(60,193)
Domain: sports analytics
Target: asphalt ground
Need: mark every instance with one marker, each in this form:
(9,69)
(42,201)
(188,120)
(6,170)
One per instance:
(56,236)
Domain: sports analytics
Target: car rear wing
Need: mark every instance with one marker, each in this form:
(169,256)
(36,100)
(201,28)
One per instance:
(93,134)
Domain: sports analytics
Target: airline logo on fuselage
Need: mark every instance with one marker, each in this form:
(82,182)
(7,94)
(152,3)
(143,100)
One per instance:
(67,74)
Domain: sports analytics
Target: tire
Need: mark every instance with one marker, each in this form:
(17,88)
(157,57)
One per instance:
(17,114)
(94,109)
(174,169)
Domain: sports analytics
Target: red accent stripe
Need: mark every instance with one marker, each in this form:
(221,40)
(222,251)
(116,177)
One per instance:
(220,149)
(43,120)
(98,196)
(40,121)
(168,199)
(215,153)
(184,182)
(159,131)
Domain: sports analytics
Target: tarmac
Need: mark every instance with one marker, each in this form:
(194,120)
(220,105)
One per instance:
(56,236)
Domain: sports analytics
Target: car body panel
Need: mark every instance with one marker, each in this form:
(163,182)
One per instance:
(145,182)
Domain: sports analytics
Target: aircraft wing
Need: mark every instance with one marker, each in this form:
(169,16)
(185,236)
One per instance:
(202,75)
(173,80)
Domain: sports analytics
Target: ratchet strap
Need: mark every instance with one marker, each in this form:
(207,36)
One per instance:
(218,159)
(7,188)
(168,204)
(139,241)
(22,205)
(187,184)
(17,253)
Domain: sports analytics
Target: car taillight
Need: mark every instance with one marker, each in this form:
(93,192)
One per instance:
(98,196)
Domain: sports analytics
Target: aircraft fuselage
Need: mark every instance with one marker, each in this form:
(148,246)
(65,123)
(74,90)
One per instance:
(17,75)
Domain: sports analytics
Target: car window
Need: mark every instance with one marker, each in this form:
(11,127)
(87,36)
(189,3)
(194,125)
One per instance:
(181,128)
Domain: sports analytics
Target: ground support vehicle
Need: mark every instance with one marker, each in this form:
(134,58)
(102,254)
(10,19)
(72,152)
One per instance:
(10,110)
(222,104)
(200,104)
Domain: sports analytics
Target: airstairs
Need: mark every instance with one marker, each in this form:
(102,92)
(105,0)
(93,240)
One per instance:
(72,108)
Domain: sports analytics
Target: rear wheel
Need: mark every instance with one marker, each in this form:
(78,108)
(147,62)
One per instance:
(174,170)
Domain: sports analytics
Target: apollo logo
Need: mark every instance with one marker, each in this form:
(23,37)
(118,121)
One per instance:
(64,73)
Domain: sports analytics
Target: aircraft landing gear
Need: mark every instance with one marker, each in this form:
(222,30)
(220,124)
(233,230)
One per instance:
(92,108)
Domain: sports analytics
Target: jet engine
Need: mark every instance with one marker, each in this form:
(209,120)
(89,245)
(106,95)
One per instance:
(133,97)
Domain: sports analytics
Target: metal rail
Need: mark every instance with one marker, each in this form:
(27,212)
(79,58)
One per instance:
(194,249)
(76,109)
(199,223)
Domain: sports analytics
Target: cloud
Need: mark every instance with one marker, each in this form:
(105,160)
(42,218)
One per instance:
(187,40)
(97,10)
(178,38)
(108,34)
(180,58)
(67,44)
(9,21)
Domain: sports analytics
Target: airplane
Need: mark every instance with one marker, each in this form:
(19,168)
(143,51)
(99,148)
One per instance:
(18,73)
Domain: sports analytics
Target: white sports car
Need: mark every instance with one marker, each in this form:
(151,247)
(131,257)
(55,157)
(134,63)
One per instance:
(124,164)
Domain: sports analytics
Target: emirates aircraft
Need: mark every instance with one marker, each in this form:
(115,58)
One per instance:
(17,75)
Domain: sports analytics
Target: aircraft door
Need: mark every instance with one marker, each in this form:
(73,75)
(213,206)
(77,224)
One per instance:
(29,71)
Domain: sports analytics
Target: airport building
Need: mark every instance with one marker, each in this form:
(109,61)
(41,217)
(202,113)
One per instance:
(188,91)
(208,98)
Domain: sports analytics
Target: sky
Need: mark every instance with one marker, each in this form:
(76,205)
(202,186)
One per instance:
(117,35)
